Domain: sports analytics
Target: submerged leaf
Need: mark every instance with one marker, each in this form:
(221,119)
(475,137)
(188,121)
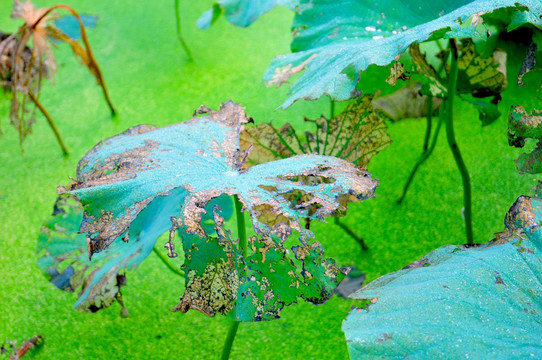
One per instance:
(356,135)
(241,12)
(405,103)
(487,299)
(345,37)
(184,166)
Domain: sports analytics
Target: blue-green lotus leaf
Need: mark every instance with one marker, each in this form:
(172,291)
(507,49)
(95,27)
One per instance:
(63,256)
(335,40)
(241,12)
(186,165)
(476,302)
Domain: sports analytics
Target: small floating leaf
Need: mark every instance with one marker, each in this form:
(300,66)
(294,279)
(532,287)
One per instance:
(241,12)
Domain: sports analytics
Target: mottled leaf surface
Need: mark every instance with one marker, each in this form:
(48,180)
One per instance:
(522,126)
(458,301)
(356,135)
(241,12)
(335,40)
(255,287)
(188,164)
(63,255)
(478,75)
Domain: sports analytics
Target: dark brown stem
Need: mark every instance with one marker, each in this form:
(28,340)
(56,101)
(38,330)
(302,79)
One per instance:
(50,121)
(91,58)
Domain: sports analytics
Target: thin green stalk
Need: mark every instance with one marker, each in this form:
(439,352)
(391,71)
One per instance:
(179,34)
(241,229)
(452,86)
(337,220)
(424,157)
(166,261)
(229,340)
(242,234)
(429,117)
(352,234)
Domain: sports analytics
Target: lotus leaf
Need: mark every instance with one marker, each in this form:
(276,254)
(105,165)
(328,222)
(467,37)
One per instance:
(335,40)
(241,12)
(356,135)
(478,301)
(160,178)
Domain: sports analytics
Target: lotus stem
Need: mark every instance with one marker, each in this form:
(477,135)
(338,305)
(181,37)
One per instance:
(346,229)
(179,34)
(241,229)
(92,60)
(452,86)
(337,220)
(51,123)
(429,117)
(423,158)
(229,340)
(242,234)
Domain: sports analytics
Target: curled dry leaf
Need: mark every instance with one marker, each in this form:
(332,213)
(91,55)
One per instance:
(490,291)
(186,165)
(22,68)
(16,353)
